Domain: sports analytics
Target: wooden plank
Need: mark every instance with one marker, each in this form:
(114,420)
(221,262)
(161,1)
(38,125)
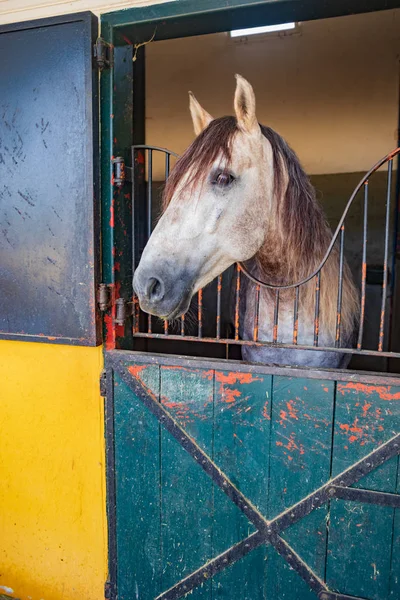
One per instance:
(395,557)
(137,462)
(242,424)
(360,535)
(302,415)
(187,492)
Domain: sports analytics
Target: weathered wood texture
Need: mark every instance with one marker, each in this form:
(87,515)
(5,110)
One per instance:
(277,439)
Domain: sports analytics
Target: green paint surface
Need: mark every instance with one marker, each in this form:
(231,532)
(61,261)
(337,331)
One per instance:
(361,535)
(302,414)
(277,439)
(137,465)
(242,423)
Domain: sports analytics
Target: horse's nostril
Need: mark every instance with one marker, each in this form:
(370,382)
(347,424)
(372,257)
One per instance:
(155,289)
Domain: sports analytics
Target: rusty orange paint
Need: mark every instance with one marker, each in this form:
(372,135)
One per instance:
(228,395)
(135,370)
(292,410)
(283,415)
(110,339)
(266,414)
(233,377)
(112,220)
(384,391)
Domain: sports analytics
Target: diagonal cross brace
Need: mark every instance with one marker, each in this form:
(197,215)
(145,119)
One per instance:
(268,531)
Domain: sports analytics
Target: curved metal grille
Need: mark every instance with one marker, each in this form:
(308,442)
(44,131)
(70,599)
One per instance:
(145,326)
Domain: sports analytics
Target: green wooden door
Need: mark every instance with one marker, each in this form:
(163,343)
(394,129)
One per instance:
(241,485)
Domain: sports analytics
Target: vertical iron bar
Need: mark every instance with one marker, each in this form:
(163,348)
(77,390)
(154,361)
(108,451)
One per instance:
(149,207)
(200,313)
(165,327)
(219,289)
(237,305)
(386,255)
(149,192)
(296,316)
(136,313)
(183,325)
(340,288)
(316,318)
(363,268)
(257,313)
(276,316)
(167,164)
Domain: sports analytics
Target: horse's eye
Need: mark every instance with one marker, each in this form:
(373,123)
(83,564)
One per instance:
(223,179)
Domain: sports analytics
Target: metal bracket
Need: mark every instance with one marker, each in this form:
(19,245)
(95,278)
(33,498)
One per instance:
(123,311)
(104,54)
(121,173)
(335,596)
(104,296)
(103,384)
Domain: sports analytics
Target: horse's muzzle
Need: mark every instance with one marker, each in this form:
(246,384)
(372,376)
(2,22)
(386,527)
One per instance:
(162,295)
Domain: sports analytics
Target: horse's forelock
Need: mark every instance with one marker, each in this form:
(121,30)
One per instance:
(214,141)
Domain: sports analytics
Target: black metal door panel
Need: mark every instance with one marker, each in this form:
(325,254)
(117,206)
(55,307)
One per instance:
(48,180)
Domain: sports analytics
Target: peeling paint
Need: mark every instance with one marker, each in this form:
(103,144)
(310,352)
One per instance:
(384,391)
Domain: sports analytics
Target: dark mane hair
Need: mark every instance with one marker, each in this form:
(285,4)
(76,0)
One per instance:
(298,234)
(299,217)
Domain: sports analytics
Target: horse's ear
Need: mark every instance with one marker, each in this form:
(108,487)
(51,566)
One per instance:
(245,106)
(201,118)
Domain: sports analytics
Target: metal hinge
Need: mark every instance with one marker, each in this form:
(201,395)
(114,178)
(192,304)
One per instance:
(123,310)
(104,296)
(103,384)
(121,173)
(103,54)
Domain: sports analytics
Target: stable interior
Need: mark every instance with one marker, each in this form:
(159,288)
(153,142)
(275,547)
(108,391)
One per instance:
(331,88)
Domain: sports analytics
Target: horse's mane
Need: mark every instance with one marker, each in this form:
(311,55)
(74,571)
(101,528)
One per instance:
(298,235)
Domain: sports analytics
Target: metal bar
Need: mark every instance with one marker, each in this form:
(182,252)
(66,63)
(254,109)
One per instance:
(219,290)
(366,496)
(200,457)
(363,267)
(237,303)
(340,288)
(276,317)
(294,561)
(200,313)
(165,327)
(257,312)
(167,165)
(182,327)
(149,331)
(110,481)
(316,317)
(254,279)
(270,344)
(156,148)
(347,478)
(134,242)
(327,595)
(136,314)
(149,192)
(214,566)
(385,260)
(296,316)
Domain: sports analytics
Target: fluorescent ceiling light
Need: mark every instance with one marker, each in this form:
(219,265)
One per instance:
(265,29)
